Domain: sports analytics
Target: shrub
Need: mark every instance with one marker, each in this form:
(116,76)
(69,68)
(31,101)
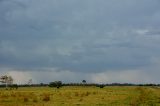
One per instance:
(101,86)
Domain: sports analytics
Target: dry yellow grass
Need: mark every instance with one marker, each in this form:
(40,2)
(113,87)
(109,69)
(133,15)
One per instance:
(85,96)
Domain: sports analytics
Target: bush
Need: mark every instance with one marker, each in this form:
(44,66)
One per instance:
(101,86)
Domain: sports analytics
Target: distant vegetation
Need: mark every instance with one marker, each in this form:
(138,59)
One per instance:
(60,84)
(7,81)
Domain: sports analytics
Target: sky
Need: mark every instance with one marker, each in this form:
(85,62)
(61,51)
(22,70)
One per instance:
(101,41)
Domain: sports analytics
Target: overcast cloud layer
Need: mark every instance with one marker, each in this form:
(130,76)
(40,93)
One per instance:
(98,40)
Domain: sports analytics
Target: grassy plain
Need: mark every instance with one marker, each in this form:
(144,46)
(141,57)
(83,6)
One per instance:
(81,96)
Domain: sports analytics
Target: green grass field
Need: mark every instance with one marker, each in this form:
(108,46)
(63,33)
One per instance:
(81,96)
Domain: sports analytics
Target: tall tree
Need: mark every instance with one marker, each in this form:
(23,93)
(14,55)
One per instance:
(8,80)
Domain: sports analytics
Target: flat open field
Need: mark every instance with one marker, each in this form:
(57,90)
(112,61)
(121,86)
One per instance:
(85,96)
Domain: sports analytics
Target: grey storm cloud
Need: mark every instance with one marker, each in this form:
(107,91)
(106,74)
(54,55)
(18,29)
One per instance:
(79,35)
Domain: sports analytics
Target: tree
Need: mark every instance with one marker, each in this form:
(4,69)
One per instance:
(57,84)
(8,80)
(101,86)
(84,81)
(29,82)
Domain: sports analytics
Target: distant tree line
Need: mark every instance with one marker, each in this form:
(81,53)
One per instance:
(59,84)
(7,82)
